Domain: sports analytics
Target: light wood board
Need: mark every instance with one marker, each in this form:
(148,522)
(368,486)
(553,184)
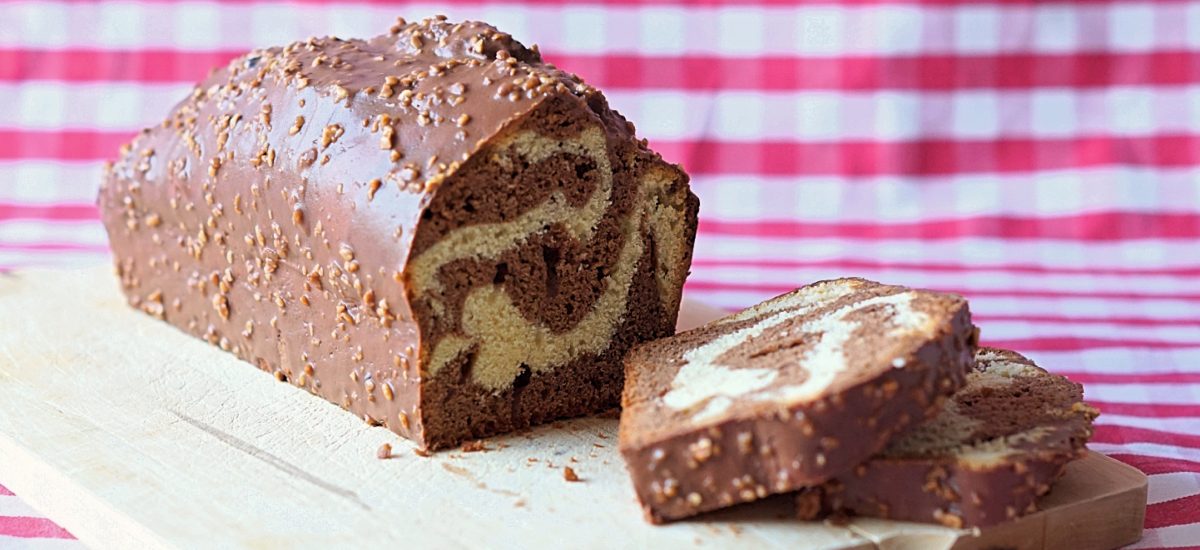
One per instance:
(131,434)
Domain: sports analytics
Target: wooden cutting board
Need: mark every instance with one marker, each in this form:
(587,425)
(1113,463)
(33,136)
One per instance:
(131,434)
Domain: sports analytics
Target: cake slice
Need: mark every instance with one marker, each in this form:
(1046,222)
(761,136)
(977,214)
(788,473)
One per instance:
(995,448)
(433,228)
(788,393)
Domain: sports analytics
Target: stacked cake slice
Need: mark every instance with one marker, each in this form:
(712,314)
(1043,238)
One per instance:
(994,449)
(788,393)
(862,398)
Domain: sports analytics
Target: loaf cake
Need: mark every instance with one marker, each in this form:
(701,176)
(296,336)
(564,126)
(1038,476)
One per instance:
(432,228)
(788,393)
(998,445)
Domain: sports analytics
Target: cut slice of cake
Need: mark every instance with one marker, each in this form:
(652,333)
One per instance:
(995,448)
(788,393)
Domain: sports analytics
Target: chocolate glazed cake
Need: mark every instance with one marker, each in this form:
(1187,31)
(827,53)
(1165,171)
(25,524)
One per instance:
(995,448)
(788,393)
(432,228)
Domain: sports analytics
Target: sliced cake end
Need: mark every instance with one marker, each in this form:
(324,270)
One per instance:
(995,448)
(788,393)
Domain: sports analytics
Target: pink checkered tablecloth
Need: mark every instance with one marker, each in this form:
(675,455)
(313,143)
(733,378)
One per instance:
(1042,159)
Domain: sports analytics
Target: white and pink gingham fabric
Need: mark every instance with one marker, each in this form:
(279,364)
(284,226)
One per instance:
(1042,159)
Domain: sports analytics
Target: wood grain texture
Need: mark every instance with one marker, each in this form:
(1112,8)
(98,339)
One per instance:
(131,434)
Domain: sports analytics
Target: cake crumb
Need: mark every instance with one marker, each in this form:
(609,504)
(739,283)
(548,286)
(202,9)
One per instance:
(474,446)
(422,453)
(384,452)
(569,474)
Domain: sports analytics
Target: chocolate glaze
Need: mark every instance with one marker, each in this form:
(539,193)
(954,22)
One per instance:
(936,485)
(681,468)
(275,211)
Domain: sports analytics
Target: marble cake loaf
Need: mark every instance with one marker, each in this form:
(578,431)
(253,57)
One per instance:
(432,228)
(995,448)
(786,394)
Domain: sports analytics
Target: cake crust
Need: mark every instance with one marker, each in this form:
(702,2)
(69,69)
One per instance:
(786,394)
(1000,443)
(416,226)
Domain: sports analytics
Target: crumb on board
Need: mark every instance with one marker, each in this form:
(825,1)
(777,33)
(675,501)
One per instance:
(474,446)
(384,452)
(422,453)
(570,475)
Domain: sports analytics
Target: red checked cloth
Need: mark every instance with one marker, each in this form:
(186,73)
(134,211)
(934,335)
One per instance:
(1042,159)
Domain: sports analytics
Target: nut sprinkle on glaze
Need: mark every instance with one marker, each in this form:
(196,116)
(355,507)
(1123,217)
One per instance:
(407,213)
(787,393)
(999,444)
